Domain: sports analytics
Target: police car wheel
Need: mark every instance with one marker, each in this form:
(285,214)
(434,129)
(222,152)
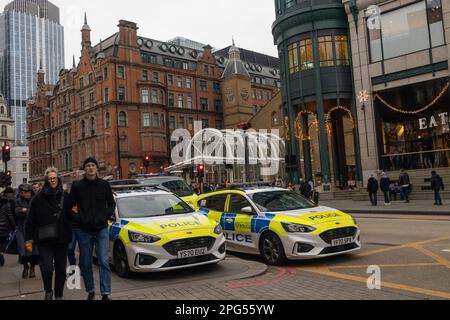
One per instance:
(272,249)
(121,261)
(2,260)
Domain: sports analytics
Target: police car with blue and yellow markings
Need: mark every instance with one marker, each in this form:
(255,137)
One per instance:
(154,230)
(279,224)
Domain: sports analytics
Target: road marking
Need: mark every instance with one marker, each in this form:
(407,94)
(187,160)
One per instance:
(446,250)
(407,245)
(326,272)
(433,255)
(433,264)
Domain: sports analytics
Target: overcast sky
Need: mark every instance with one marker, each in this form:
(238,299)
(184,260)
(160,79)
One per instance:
(211,22)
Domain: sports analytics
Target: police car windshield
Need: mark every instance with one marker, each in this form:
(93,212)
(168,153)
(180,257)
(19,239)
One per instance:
(151,206)
(178,187)
(280,201)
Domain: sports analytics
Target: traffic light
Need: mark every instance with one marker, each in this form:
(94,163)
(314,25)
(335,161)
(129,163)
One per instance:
(6,153)
(5,179)
(146,161)
(201,170)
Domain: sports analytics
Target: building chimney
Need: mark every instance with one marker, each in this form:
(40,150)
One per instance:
(127,33)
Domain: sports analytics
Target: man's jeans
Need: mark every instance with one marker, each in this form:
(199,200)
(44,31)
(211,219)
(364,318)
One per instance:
(404,193)
(72,247)
(437,197)
(86,241)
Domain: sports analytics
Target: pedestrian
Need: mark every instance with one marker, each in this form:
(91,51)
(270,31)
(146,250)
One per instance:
(437,184)
(405,185)
(305,189)
(48,227)
(372,189)
(29,260)
(96,206)
(394,190)
(7,222)
(36,189)
(385,184)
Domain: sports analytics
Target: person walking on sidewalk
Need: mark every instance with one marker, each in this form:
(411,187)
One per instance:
(96,206)
(372,189)
(385,186)
(7,222)
(437,184)
(29,260)
(405,185)
(48,227)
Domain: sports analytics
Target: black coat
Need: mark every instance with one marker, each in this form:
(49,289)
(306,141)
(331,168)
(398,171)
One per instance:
(44,210)
(372,186)
(437,183)
(7,222)
(95,203)
(385,184)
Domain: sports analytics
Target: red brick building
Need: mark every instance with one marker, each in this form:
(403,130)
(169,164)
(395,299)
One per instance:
(125,97)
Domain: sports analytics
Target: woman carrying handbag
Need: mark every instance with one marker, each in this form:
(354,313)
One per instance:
(49,228)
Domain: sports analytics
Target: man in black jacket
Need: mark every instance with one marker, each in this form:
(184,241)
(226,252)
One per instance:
(372,189)
(95,206)
(437,184)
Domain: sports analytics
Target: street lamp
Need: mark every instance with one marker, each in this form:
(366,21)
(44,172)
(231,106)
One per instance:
(245,126)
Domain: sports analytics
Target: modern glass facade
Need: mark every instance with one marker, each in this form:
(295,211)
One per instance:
(26,42)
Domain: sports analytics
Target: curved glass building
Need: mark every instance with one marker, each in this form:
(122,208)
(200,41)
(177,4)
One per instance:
(312,37)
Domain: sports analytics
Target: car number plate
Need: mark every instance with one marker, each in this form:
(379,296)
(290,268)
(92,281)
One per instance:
(192,253)
(342,241)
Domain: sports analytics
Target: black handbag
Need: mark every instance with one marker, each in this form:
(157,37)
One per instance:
(50,232)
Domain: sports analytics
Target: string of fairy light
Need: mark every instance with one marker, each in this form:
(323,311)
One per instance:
(404,110)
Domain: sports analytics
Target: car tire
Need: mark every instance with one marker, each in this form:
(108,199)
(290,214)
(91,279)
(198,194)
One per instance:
(272,249)
(2,260)
(121,261)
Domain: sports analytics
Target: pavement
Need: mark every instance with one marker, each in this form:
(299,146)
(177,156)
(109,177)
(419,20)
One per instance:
(415,207)
(412,252)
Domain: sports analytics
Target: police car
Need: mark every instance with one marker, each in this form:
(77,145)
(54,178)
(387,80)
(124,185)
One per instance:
(154,230)
(278,224)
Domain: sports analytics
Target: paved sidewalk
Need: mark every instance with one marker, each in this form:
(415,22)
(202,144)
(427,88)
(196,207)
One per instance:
(415,207)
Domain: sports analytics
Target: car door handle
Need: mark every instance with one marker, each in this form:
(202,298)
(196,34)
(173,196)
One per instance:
(229,220)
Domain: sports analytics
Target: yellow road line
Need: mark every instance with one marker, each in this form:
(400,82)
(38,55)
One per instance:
(326,272)
(403,246)
(432,264)
(433,255)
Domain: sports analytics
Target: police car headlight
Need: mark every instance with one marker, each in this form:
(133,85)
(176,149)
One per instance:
(297,228)
(218,229)
(144,238)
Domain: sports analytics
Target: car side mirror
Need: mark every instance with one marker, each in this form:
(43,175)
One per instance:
(248,210)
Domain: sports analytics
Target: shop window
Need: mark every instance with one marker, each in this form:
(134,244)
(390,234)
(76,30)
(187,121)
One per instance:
(326,51)
(342,54)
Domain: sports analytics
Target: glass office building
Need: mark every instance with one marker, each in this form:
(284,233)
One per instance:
(31,38)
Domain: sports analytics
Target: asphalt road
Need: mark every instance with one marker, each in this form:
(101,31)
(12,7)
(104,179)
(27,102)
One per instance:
(412,252)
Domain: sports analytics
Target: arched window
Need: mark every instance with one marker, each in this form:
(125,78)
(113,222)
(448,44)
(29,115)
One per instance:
(274,119)
(83,129)
(4,131)
(107,120)
(92,126)
(122,119)
(2,109)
